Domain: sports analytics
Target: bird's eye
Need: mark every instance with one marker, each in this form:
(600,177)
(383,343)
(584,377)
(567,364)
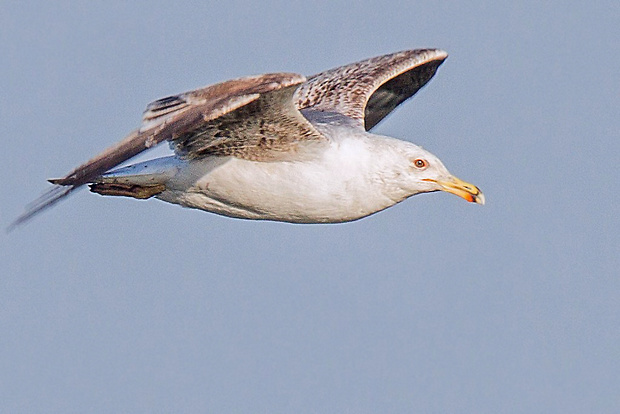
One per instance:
(420,163)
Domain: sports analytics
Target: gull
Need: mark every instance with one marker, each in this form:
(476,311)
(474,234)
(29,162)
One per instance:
(278,147)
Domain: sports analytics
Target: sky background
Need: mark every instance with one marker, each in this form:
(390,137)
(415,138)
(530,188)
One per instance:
(433,306)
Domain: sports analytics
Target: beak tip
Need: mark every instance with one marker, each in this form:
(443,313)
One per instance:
(479,199)
(462,189)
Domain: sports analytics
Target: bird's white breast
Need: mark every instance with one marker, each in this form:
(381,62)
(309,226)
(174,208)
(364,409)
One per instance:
(335,186)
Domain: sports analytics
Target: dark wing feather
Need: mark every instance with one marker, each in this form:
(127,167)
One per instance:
(369,90)
(266,129)
(175,118)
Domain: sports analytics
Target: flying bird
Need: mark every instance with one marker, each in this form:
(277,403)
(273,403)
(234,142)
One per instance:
(278,147)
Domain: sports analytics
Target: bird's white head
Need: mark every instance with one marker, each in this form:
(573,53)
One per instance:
(424,172)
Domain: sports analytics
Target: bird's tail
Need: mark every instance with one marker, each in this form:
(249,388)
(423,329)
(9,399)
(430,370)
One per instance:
(143,180)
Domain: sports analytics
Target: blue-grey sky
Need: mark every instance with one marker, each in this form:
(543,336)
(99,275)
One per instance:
(435,305)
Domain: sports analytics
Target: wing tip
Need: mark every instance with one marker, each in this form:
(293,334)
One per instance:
(48,199)
(440,53)
(429,55)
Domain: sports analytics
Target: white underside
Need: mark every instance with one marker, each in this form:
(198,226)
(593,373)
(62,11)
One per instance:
(333,185)
(319,191)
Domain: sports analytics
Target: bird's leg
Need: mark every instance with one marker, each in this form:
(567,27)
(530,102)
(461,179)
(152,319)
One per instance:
(127,190)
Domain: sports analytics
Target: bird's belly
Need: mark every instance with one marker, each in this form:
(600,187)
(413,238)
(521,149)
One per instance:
(291,192)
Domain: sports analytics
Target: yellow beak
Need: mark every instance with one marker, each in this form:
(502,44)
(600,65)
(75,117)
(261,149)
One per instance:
(461,188)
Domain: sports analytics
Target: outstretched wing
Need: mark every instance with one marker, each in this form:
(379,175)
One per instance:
(369,90)
(252,117)
(176,117)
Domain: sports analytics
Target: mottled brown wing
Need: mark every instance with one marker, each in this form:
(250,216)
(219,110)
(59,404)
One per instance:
(175,116)
(269,128)
(369,90)
(170,119)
